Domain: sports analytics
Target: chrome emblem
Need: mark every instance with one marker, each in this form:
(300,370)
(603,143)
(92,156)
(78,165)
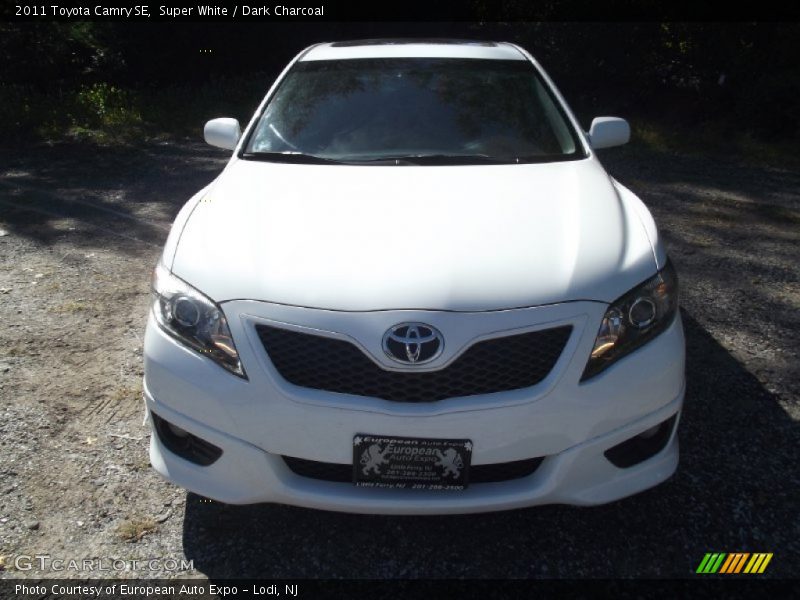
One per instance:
(413,343)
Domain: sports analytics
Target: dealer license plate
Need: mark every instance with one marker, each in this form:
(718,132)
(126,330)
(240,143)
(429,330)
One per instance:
(411,463)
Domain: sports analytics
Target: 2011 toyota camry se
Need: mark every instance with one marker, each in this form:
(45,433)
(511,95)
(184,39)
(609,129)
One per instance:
(414,289)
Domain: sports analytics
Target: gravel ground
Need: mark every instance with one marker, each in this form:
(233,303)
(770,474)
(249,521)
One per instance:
(79,233)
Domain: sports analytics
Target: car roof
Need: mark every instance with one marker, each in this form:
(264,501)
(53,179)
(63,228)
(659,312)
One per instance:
(412,48)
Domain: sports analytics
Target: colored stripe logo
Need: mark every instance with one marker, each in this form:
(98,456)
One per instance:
(734,563)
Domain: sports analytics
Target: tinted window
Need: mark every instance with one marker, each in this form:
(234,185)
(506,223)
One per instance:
(372,109)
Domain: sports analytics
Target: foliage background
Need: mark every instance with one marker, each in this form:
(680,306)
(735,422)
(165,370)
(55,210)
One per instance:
(734,85)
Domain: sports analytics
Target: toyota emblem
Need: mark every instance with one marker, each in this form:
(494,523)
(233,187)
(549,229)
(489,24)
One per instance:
(413,343)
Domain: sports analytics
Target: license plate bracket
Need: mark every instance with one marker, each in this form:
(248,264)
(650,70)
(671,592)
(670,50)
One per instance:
(411,463)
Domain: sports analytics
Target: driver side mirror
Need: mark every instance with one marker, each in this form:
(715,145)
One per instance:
(607,132)
(222,133)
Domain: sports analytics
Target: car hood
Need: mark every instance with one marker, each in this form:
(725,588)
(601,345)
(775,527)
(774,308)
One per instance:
(465,238)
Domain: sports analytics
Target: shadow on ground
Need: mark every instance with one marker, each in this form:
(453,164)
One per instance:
(122,197)
(733,491)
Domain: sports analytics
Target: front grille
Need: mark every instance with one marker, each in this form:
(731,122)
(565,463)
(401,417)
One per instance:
(477,473)
(496,365)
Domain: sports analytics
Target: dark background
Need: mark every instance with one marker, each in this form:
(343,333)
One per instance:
(728,85)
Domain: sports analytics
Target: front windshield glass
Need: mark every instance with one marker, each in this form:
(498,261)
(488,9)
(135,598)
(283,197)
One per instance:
(465,110)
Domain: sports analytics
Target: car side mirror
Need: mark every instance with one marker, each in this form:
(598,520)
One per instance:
(222,133)
(607,132)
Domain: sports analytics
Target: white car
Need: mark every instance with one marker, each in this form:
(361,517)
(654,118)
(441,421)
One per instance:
(414,289)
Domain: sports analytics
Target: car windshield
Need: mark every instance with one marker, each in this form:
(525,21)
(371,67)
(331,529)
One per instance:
(413,111)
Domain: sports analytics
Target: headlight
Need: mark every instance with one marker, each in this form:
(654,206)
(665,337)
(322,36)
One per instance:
(634,319)
(193,319)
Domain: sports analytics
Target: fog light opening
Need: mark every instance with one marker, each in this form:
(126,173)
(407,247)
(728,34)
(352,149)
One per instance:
(184,444)
(648,433)
(642,446)
(177,431)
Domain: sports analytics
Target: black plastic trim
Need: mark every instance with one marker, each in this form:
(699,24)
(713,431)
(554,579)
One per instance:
(191,447)
(343,473)
(638,449)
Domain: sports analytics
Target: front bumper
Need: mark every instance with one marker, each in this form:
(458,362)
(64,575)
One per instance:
(256,421)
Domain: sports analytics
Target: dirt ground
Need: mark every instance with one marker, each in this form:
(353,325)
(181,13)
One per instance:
(80,231)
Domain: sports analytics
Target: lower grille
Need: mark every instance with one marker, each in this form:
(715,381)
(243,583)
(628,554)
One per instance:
(495,365)
(340,473)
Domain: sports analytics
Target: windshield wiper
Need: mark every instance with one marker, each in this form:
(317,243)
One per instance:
(400,159)
(436,159)
(290,157)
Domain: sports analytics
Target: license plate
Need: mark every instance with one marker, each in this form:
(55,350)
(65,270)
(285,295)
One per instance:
(411,463)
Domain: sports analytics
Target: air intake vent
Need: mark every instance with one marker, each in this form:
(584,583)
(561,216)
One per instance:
(493,473)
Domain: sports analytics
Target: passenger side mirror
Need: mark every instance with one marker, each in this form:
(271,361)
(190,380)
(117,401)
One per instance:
(222,133)
(607,132)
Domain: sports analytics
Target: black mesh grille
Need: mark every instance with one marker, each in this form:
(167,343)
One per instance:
(477,473)
(496,365)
